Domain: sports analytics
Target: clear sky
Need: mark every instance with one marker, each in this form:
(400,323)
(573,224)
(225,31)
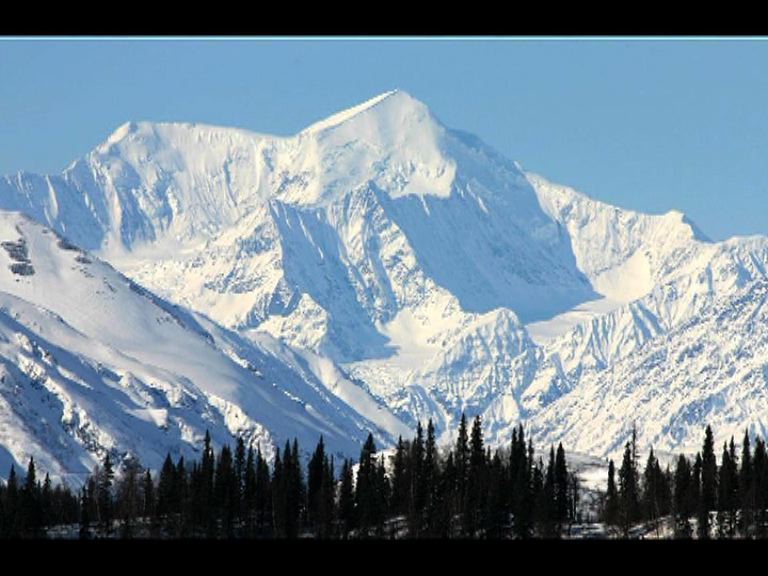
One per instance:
(644,124)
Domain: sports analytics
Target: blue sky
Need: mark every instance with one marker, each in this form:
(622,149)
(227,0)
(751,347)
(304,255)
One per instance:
(645,124)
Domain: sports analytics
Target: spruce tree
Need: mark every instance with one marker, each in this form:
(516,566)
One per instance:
(240,463)
(549,510)
(746,488)
(297,491)
(447,506)
(346,500)
(85,514)
(723,494)
(562,504)
(628,492)
(149,497)
(476,480)
(650,490)
(431,476)
(278,500)
(542,503)
(733,496)
(105,497)
(696,504)
(46,502)
(461,461)
(365,492)
(128,502)
(166,491)
(522,499)
(205,502)
(611,514)
(225,490)
(760,489)
(493,517)
(708,482)
(263,493)
(417,488)
(381,495)
(682,498)
(315,476)
(400,479)
(29,521)
(249,492)
(326,505)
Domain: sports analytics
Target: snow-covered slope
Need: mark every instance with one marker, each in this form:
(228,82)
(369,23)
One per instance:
(408,270)
(89,362)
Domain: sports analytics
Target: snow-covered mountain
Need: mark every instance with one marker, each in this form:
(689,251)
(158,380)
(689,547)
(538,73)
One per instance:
(90,361)
(404,270)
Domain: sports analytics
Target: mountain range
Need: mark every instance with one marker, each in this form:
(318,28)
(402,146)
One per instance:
(376,269)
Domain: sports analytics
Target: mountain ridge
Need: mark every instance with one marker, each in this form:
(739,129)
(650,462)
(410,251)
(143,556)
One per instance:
(402,259)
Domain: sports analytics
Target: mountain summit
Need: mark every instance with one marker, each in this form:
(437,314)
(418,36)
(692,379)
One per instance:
(410,271)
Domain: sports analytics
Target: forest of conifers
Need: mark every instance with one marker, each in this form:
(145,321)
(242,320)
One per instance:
(416,491)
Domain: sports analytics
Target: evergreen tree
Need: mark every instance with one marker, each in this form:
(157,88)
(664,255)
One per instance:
(264,494)
(574,497)
(611,513)
(696,504)
(279,506)
(431,476)
(381,495)
(129,497)
(548,511)
(400,479)
(723,494)
(297,491)
(628,492)
(225,490)
(46,502)
(520,464)
(366,499)
(30,522)
(326,505)
(461,462)
(167,491)
(240,463)
(85,514)
(733,496)
(542,502)
(315,475)
(682,498)
(476,481)
(346,500)
(204,489)
(649,501)
(105,497)
(416,489)
(494,514)
(760,486)
(182,502)
(708,482)
(249,492)
(523,500)
(562,504)
(746,488)
(148,485)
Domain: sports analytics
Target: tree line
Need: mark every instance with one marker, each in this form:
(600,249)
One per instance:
(418,491)
(466,490)
(699,496)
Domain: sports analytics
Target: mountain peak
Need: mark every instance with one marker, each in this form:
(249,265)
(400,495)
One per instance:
(384,104)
